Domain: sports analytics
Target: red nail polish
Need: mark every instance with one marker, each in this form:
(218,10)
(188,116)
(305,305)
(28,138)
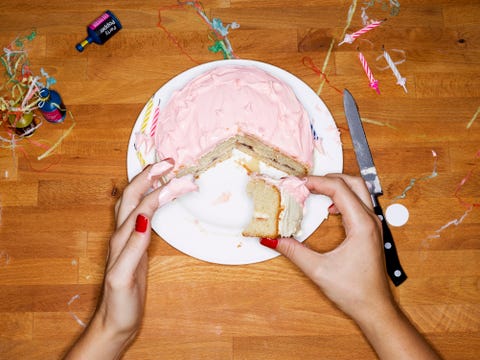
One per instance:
(271,243)
(141,223)
(331,206)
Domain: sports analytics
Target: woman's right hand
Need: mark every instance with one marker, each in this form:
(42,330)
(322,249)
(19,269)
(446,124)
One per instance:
(353,274)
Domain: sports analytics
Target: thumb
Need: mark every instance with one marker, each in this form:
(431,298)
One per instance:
(306,259)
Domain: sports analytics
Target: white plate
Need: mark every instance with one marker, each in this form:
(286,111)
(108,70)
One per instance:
(207,225)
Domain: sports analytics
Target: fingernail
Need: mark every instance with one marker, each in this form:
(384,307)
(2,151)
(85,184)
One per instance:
(141,223)
(271,243)
(332,209)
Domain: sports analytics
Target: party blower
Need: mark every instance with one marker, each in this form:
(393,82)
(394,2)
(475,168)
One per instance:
(369,174)
(101,30)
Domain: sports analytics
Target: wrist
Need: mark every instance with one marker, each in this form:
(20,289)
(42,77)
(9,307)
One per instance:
(99,342)
(374,318)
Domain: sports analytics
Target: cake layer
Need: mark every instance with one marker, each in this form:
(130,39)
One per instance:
(250,146)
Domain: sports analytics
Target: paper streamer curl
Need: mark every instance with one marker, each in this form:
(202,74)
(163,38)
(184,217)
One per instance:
(75,317)
(434,173)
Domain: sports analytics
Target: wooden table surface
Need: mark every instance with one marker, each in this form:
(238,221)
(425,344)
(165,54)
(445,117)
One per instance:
(56,215)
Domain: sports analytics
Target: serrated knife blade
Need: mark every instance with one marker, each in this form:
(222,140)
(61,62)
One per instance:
(369,174)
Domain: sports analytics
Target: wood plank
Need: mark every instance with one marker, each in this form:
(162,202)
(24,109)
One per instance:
(39,271)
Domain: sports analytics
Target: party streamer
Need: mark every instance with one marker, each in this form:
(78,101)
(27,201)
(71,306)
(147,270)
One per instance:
(59,140)
(75,317)
(379,123)
(308,62)
(469,206)
(434,173)
(219,30)
(462,183)
(19,96)
(393,6)
(351,11)
(474,117)
(455,222)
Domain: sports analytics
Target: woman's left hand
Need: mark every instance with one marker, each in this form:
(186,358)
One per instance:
(120,310)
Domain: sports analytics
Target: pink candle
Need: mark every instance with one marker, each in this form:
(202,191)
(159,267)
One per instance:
(350,38)
(156,113)
(368,71)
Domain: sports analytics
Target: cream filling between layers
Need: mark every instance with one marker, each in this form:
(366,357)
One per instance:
(291,216)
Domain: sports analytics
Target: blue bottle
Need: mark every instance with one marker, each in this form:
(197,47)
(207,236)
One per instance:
(51,106)
(101,30)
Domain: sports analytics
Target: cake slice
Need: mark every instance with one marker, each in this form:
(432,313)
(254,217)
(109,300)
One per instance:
(278,206)
(266,209)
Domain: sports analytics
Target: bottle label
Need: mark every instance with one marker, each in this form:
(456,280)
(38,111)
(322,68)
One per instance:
(105,27)
(55,115)
(94,25)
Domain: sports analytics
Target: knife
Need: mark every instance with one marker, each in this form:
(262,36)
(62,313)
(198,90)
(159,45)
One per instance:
(369,174)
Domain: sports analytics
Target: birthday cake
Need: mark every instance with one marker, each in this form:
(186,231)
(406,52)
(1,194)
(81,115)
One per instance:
(237,108)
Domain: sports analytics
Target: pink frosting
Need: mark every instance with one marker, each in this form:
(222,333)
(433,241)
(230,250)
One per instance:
(230,100)
(175,188)
(161,168)
(291,184)
(295,187)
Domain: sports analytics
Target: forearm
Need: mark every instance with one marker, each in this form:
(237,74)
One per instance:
(97,343)
(393,336)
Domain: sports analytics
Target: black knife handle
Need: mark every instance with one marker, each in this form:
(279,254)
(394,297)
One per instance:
(394,269)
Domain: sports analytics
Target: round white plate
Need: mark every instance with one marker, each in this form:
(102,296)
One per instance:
(208,224)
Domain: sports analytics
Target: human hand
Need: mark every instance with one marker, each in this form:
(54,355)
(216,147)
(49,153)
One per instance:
(120,309)
(352,275)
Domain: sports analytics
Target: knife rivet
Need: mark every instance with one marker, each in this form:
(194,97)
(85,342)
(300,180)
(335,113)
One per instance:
(388,245)
(397,273)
